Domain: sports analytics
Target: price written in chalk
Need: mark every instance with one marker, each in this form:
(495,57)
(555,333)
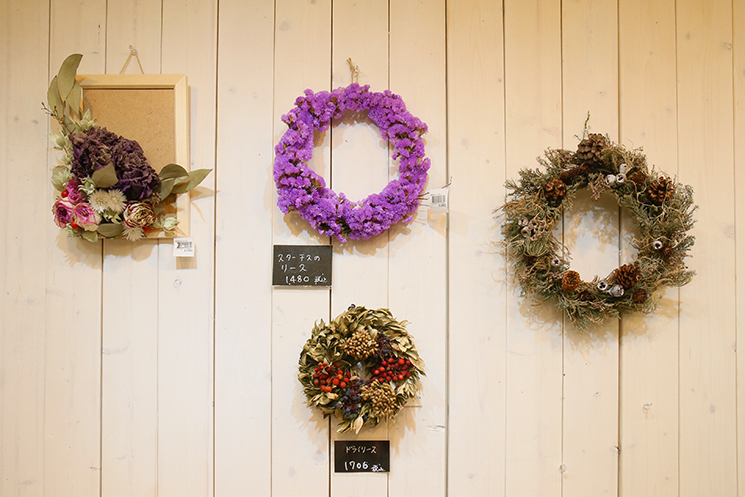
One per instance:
(362,456)
(302,265)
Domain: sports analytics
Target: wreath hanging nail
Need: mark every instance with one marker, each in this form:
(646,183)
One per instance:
(107,187)
(362,367)
(661,208)
(299,188)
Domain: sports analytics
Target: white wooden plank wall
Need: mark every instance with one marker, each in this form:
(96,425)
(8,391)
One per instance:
(126,372)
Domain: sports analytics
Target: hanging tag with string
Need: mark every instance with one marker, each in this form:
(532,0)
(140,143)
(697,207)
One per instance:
(437,199)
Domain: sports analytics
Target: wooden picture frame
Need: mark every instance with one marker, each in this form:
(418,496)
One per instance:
(152,109)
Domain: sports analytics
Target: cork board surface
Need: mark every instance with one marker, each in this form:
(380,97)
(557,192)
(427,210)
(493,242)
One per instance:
(145,115)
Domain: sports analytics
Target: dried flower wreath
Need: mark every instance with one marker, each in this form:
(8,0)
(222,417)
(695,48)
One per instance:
(362,367)
(301,189)
(661,208)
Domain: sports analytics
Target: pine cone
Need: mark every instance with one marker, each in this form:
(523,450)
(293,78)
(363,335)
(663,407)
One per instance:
(569,174)
(585,296)
(570,281)
(667,251)
(627,275)
(639,296)
(661,189)
(638,178)
(590,149)
(555,189)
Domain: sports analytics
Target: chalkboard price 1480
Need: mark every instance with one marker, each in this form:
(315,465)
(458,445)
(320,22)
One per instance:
(302,265)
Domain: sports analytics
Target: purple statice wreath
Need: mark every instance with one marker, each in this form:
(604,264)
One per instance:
(300,188)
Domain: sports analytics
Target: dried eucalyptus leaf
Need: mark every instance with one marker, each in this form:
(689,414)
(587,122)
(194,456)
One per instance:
(53,98)
(105,177)
(91,236)
(74,99)
(180,184)
(66,75)
(166,186)
(110,230)
(196,177)
(173,171)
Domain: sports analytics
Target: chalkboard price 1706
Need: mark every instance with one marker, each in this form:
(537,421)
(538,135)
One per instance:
(358,456)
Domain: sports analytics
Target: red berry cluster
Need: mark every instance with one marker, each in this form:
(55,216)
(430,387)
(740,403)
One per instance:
(392,369)
(328,377)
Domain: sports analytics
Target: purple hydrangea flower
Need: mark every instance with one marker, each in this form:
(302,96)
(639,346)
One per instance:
(99,147)
(301,189)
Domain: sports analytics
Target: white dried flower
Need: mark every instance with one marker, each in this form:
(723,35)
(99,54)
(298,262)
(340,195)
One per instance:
(602,285)
(616,291)
(610,179)
(133,234)
(623,168)
(97,200)
(657,244)
(115,200)
(621,179)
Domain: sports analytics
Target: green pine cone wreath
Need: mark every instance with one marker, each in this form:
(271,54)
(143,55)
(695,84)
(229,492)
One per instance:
(661,208)
(362,367)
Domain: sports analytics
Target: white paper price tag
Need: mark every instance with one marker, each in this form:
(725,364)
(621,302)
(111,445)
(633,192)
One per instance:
(438,200)
(183,247)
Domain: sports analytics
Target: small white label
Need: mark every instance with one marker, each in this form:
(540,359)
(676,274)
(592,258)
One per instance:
(438,200)
(183,247)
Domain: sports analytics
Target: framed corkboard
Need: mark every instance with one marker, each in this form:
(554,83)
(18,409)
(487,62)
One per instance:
(152,109)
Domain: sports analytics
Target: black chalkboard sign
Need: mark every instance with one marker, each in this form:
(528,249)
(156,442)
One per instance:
(355,456)
(302,265)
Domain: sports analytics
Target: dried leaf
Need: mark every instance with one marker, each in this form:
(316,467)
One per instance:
(110,230)
(105,177)
(173,171)
(53,98)
(166,185)
(196,177)
(66,75)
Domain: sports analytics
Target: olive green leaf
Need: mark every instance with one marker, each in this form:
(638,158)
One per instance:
(74,99)
(66,75)
(172,171)
(105,177)
(166,185)
(110,230)
(53,98)
(180,184)
(197,177)
(91,236)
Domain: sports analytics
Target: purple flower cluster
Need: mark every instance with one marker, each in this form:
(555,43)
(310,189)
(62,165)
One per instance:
(301,189)
(99,147)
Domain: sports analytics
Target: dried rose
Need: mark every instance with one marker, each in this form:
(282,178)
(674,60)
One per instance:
(86,217)
(62,210)
(139,214)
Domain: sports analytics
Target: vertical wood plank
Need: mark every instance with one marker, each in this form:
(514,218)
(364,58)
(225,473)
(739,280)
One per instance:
(418,264)
(243,305)
(707,322)
(476,148)
(359,167)
(738,15)
(186,296)
(137,24)
(129,394)
(590,414)
(533,334)
(24,220)
(648,410)
(300,436)
(72,404)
